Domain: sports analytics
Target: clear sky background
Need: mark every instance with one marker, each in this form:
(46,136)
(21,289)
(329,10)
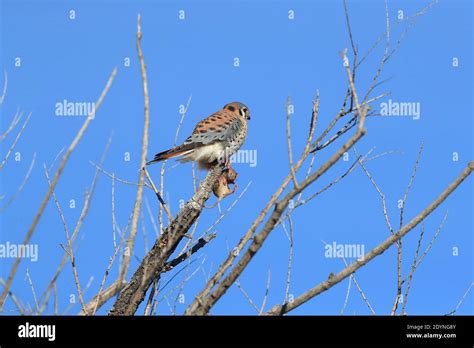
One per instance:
(70,59)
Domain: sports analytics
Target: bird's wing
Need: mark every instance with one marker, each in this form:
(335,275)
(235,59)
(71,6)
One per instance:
(220,126)
(223,126)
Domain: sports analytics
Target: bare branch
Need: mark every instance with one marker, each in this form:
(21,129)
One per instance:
(113,176)
(151,298)
(30,282)
(428,248)
(141,178)
(288,140)
(413,267)
(12,124)
(186,255)
(349,29)
(461,300)
(381,194)
(392,239)
(152,219)
(158,195)
(290,257)
(18,136)
(400,242)
(15,300)
(361,292)
(247,297)
(346,299)
(51,188)
(410,182)
(109,266)
(5,84)
(232,205)
(100,299)
(22,185)
(265,296)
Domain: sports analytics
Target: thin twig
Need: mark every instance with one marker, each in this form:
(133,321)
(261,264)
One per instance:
(288,140)
(428,248)
(30,282)
(359,289)
(413,267)
(113,176)
(55,301)
(381,194)
(346,299)
(15,300)
(22,185)
(267,290)
(232,205)
(152,219)
(158,195)
(461,300)
(151,297)
(5,84)
(186,255)
(247,297)
(18,136)
(111,262)
(114,222)
(12,125)
(290,257)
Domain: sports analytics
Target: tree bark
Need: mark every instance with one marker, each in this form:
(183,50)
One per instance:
(153,264)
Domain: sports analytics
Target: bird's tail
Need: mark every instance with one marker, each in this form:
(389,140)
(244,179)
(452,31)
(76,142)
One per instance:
(174,152)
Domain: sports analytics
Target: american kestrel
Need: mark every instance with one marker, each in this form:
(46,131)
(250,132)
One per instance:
(214,139)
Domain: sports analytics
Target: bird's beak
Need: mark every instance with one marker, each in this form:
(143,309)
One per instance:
(248,117)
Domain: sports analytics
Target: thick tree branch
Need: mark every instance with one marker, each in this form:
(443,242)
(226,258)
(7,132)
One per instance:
(154,262)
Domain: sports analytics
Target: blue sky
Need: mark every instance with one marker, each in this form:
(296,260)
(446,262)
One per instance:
(71,59)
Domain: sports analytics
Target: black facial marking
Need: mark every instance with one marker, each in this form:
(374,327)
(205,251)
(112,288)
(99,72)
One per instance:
(231,108)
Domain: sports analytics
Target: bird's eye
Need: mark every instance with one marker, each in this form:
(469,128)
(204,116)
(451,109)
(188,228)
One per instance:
(243,112)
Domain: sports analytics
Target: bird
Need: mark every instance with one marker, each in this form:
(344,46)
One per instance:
(214,139)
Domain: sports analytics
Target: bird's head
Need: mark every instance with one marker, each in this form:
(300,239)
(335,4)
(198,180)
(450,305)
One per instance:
(239,108)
